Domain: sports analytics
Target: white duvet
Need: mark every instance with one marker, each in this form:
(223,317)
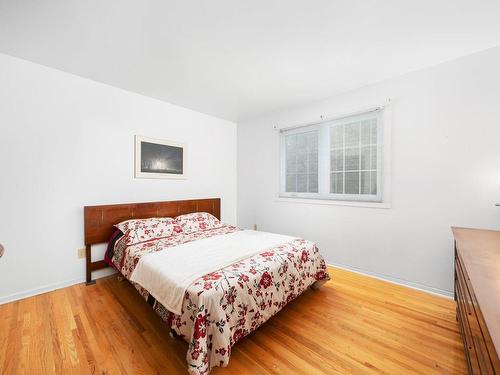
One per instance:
(167,274)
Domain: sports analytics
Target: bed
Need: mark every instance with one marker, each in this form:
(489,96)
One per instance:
(210,301)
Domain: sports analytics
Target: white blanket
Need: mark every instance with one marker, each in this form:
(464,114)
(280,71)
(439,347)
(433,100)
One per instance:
(167,274)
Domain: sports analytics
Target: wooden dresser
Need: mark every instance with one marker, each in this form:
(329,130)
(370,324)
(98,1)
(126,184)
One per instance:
(477,292)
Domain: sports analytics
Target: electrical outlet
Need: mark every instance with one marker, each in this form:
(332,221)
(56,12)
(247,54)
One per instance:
(81,253)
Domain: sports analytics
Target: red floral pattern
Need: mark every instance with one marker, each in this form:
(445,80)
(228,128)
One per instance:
(198,221)
(222,307)
(140,230)
(265,280)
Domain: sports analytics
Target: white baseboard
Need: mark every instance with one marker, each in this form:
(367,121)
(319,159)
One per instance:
(41,290)
(48,288)
(395,280)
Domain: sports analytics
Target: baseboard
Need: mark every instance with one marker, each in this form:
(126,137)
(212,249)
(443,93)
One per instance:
(395,280)
(45,289)
(37,291)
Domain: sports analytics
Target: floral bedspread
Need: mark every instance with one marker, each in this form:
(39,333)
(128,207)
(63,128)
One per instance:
(222,307)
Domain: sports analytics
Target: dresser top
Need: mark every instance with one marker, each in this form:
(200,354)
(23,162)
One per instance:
(480,253)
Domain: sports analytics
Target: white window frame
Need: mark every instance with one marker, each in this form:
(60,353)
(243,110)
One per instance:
(381,199)
(361,197)
(298,130)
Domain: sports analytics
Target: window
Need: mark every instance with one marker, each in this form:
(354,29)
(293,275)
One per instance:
(302,162)
(337,159)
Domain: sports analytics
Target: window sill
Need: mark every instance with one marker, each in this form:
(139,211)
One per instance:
(331,202)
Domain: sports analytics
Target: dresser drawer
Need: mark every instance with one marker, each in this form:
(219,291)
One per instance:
(463,321)
(471,324)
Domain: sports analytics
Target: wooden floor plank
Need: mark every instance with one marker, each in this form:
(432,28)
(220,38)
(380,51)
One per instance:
(353,325)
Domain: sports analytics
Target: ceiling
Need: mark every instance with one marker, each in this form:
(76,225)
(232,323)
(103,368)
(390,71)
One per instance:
(240,59)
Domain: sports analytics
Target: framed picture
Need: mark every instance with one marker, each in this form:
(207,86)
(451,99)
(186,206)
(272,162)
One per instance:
(156,158)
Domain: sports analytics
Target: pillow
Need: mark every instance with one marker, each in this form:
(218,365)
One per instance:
(197,221)
(140,230)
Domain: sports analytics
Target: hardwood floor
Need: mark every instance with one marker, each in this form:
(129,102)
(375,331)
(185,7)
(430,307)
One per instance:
(352,325)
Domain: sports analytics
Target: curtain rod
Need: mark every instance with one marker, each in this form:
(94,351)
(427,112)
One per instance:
(357,113)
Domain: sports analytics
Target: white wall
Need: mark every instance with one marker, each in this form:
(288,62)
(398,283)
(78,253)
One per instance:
(445,157)
(67,142)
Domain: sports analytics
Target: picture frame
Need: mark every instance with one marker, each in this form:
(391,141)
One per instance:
(159,158)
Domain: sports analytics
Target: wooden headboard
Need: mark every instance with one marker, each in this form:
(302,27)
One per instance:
(99,220)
